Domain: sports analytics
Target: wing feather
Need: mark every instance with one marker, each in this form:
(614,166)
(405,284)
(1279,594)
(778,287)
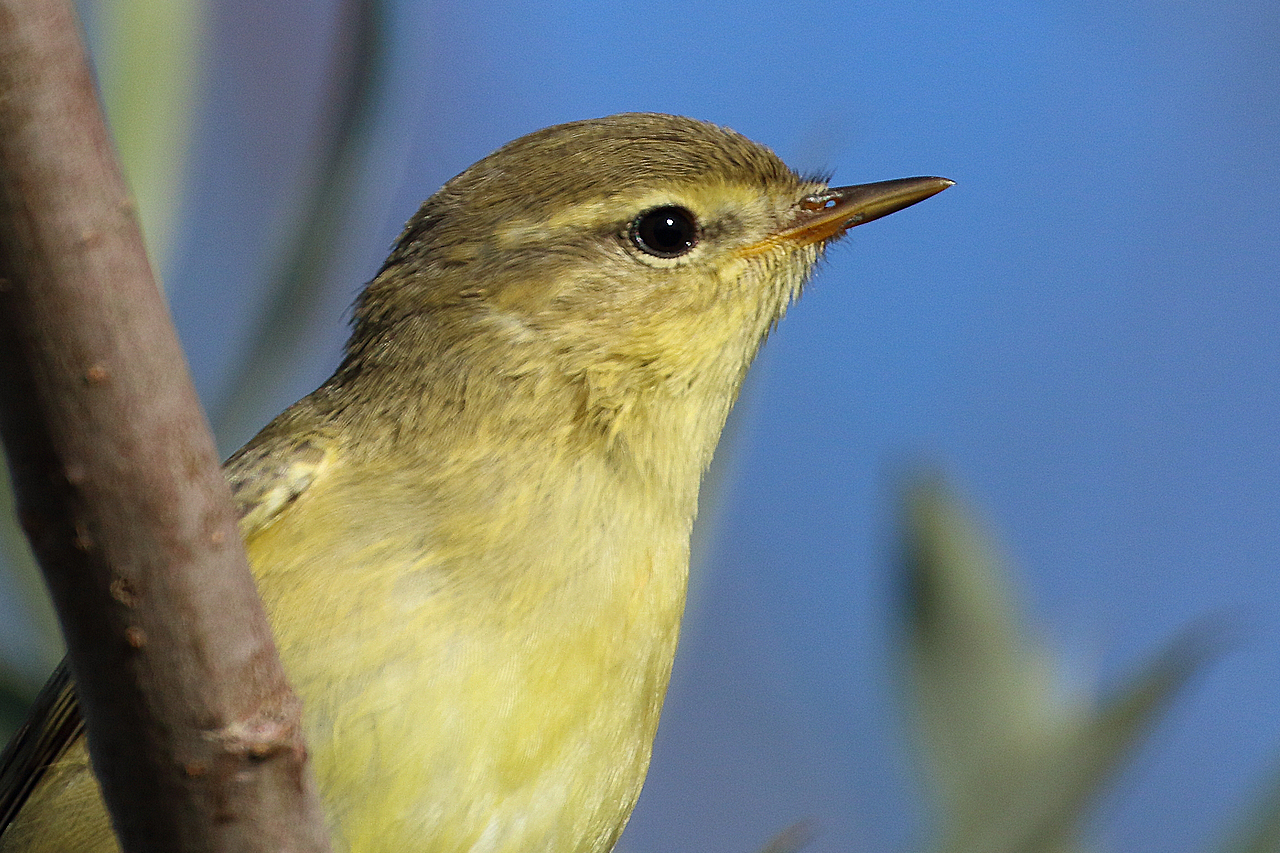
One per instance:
(266,477)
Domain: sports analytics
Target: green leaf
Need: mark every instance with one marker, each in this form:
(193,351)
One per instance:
(1013,760)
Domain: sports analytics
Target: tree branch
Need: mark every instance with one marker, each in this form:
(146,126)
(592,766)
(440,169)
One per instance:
(193,729)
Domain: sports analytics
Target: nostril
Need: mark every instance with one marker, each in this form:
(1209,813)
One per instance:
(815,203)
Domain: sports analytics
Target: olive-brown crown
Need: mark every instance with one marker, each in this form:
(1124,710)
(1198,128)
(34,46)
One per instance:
(545,239)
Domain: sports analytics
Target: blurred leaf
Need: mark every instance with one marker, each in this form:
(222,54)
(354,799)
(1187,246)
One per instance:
(149,62)
(1013,759)
(792,839)
(1259,832)
(982,687)
(16,694)
(358,75)
(22,669)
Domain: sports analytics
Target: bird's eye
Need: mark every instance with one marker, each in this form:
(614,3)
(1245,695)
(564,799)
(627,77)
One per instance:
(665,232)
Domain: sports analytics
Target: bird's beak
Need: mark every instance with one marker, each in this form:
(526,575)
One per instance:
(824,215)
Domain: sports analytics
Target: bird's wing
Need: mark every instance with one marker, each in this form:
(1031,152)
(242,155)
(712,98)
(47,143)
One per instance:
(52,725)
(264,482)
(270,473)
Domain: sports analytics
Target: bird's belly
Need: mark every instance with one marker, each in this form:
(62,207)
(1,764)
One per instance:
(545,751)
(440,727)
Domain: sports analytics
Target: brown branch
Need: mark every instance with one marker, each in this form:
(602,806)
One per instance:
(194,731)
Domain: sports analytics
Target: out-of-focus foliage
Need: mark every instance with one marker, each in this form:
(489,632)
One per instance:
(1259,831)
(21,674)
(148,56)
(1012,760)
(358,76)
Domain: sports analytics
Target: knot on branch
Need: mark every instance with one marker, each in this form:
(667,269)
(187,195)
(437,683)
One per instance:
(272,731)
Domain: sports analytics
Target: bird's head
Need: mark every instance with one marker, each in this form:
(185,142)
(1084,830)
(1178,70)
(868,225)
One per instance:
(629,254)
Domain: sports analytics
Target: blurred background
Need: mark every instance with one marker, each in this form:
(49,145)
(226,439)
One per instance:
(1081,334)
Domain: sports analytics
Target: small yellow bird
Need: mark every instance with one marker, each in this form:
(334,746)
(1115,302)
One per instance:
(473,540)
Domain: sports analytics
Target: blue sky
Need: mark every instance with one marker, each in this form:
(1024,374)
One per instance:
(1082,333)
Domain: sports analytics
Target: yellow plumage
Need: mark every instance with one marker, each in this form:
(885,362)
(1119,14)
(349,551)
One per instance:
(472,541)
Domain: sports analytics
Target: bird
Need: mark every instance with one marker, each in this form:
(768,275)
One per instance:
(472,541)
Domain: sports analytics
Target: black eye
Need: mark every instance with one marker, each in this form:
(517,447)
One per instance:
(665,232)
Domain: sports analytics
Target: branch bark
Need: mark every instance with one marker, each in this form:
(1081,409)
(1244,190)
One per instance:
(193,729)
